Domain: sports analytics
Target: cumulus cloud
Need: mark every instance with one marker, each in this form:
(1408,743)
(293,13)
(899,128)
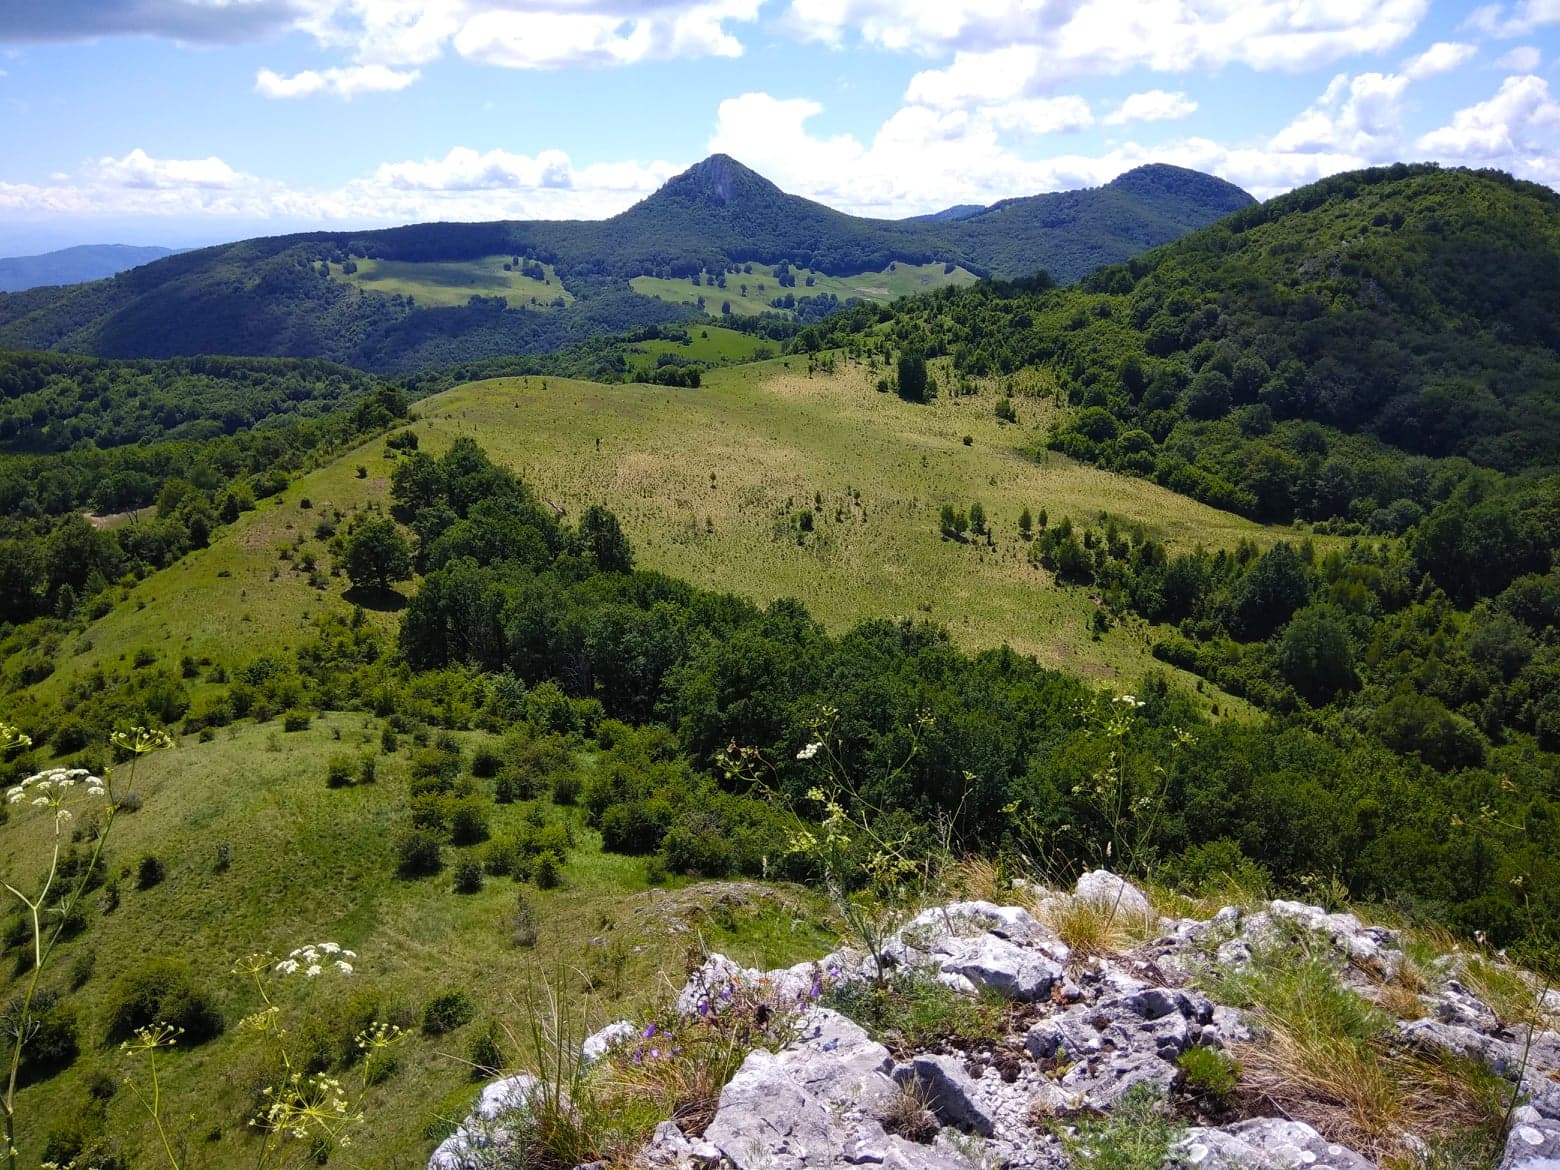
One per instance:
(1441,57)
(385,41)
(344,83)
(1040,115)
(463,185)
(1154,105)
(138,169)
(1358,116)
(1522,59)
(1513,20)
(924,159)
(1081,37)
(1519,126)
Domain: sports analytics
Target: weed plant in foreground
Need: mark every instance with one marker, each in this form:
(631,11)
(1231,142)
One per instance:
(49,912)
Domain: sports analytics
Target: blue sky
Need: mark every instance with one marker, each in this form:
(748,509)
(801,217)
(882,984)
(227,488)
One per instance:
(193,121)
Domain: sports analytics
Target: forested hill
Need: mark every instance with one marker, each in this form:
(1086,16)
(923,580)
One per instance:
(307,295)
(73,265)
(1415,309)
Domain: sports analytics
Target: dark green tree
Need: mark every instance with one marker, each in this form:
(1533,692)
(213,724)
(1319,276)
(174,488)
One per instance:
(377,554)
(1314,655)
(913,385)
(600,537)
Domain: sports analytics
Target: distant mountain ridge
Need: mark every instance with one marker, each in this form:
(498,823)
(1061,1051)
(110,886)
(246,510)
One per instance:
(75,265)
(278,296)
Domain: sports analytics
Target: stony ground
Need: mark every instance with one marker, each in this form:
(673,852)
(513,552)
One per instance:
(1081,1035)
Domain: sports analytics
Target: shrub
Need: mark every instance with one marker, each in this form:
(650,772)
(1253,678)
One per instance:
(149,872)
(52,1045)
(339,772)
(486,1055)
(548,871)
(468,877)
(160,990)
(418,854)
(368,770)
(296,720)
(446,1012)
(566,787)
(468,823)
(486,762)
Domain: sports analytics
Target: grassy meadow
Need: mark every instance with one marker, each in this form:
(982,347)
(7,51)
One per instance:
(706,343)
(898,280)
(710,484)
(446,284)
(238,597)
(310,864)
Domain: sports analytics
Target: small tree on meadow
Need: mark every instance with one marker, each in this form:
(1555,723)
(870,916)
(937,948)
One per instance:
(377,554)
(913,385)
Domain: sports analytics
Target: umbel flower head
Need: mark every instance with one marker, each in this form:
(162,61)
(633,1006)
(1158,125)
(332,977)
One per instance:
(314,959)
(11,737)
(48,789)
(137,741)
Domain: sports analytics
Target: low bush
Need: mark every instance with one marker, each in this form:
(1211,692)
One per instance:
(446,1012)
(418,854)
(160,991)
(468,877)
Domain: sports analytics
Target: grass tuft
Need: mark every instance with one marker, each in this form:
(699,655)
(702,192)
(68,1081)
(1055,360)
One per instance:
(1094,928)
(1327,1056)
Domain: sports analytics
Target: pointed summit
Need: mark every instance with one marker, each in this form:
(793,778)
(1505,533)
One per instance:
(718,181)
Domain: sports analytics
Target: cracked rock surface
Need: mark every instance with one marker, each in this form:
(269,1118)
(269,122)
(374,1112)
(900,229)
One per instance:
(1082,1035)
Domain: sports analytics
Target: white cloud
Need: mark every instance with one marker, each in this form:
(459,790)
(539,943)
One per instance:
(924,159)
(1074,38)
(996,76)
(463,169)
(1441,57)
(546,40)
(464,185)
(343,83)
(1040,115)
(1154,105)
(1514,20)
(138,169)
(1522,59)
(1518,128)
(1359,116)
(394,36)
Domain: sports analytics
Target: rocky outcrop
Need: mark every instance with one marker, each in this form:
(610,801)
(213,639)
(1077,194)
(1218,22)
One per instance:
(1271,1143)
(483,1138)
(1083,1036)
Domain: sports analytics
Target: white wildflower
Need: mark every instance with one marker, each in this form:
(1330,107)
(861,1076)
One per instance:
(312,970)
(809,751)
(343,966)
(288,966)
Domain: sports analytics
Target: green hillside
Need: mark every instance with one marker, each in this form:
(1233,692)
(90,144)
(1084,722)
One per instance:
(1377,354)
(436,294)
(531,689)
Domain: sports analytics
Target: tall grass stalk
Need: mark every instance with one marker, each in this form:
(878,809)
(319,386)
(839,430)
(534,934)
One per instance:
(51,790)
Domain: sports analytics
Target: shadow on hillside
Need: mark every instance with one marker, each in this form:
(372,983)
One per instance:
(380,600)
